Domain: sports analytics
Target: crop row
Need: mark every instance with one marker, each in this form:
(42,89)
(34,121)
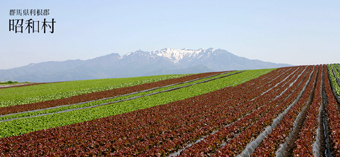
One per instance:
(335,78)
(205,125)
(111,100)
(306,136)
(108,135)
(280,133)
(238,144)
(21,126)
(53,91)
(20,85)
(172,139)
(259,107)
(332,109)
(308,133)
(98,95)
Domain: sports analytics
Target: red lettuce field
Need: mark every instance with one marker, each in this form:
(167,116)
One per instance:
(291,111)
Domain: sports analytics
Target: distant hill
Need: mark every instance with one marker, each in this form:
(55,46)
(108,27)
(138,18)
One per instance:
(139,63)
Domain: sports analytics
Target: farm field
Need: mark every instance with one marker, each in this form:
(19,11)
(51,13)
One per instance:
(290,111)
(53,91)
(10,84)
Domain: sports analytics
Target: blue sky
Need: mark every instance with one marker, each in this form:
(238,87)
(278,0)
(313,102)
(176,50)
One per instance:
(294,32)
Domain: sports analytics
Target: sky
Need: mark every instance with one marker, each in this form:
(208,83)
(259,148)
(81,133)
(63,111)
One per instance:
(302,32)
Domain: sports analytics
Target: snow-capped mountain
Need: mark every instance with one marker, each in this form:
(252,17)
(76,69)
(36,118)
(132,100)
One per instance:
(176,55)
(138,63)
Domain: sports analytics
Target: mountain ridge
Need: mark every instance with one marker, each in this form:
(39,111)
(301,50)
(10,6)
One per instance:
(138,63)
